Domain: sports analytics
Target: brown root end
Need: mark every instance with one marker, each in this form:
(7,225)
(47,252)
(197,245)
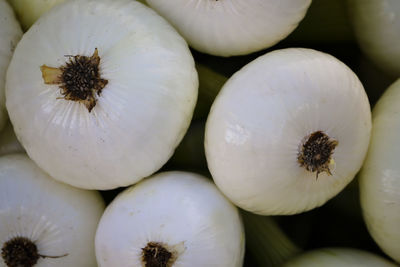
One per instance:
(22,252)
(316,152)
(79,79)
(19,251)
(157,255)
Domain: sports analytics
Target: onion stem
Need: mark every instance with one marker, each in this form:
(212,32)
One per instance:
(190,155)
(210,83)
(266,243)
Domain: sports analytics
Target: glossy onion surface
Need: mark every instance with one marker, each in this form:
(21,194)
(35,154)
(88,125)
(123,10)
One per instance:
(232,27)
(141,114)
(183,211)
(259,121)
(380,175)
(61,220)
(10,33)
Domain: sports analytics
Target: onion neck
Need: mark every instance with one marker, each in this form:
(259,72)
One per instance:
(266,242)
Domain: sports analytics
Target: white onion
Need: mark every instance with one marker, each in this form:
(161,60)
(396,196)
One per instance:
(232,27)
(267,113)
(334,257)
(28,11)
(380,175)
(10,33)
(377,27)
(183,213)
(142,112)
(58,219)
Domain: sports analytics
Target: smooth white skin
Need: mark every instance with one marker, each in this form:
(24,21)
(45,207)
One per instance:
(377,27)
(142,113)
(183,210)
(60,219)
(232,27)
(9,142)
(334,257)
(28,11)
(380,175)
(10,33)
(260,118)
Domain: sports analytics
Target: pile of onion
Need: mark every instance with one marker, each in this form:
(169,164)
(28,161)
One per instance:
(100,93)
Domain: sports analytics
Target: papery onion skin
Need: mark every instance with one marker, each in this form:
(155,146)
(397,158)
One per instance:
(10,33)
(343,257)
(376,24)
(183,210)
(229,27)
(260,118)
(140,116)
(380,176)
(60,219)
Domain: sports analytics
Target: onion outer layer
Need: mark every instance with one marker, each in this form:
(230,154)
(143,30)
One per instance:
(141,114)
(380,175)
(183,211)
(232,27)
(61,220)
(343,257)
(10,33)
(376,24)
(260,118)
(28,11)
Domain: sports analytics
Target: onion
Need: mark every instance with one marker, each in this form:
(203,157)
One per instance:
(287,132)
(28,11)
(343,257)
(44,222)
(171,219)
(107,94)
(376,24)
(229,27)
(380,175)
(10,33)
